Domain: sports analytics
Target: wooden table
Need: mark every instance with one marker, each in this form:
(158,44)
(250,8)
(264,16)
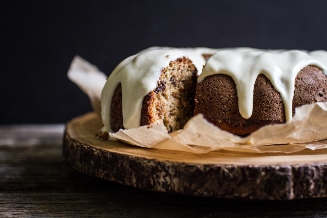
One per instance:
(36,181)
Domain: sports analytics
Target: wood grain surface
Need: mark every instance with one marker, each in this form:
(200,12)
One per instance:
(37,181)
(217,174)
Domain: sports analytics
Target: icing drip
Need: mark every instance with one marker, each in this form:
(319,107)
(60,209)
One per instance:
(281,68)
(138,75)
(321,56)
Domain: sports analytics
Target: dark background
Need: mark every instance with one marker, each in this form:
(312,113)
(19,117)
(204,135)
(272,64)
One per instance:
(40,38)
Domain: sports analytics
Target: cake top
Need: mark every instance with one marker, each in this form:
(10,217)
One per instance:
(195,54)
(280,67)
(320,55)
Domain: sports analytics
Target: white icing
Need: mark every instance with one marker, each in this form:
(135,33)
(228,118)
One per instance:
(281,68)
(320,55)
(196,54)
(138,75)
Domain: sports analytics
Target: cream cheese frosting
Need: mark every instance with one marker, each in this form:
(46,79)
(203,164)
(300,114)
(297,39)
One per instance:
(139,74)
(320,55)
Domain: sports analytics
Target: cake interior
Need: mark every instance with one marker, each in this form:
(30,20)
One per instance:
(170,104)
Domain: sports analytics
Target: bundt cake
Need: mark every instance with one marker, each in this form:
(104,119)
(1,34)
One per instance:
(242,91)
(153,87)
(239,90)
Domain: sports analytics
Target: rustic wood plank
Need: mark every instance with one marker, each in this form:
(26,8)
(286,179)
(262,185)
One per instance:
(217,174)
(31,134)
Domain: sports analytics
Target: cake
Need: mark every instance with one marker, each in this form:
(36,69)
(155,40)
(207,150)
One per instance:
(152,87)
(242,91)
(238,90)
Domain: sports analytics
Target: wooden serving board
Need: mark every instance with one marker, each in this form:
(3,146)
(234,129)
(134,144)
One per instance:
(216,174)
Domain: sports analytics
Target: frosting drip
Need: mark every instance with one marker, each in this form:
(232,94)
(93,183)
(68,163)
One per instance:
(281,68)
(320,55)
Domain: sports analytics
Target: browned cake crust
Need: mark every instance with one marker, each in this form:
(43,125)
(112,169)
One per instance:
(216,98)
(170,104)
(310,87)
(116,118)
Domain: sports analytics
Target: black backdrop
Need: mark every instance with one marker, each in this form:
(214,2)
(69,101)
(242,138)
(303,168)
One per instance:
(40,38)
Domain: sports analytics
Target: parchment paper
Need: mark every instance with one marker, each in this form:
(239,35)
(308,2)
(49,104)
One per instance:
(308,128)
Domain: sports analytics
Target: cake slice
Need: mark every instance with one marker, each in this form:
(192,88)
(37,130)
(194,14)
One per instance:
(154,87)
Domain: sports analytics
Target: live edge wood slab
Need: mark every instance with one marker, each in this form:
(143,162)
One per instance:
(216,174)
